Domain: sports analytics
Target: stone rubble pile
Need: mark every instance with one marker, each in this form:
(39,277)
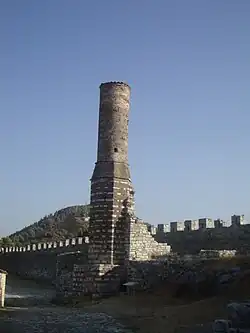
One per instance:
(217,253)
(192,274)
(147,274)
(238,320)
(195,271)
(198,280)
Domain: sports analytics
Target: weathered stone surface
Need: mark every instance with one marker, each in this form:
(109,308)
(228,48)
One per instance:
(143,246)
(110,182)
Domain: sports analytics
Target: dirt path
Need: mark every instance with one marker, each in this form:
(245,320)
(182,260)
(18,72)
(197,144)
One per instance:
(57,320)
(29,309)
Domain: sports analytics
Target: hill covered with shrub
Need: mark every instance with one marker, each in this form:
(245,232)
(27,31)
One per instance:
(65,223)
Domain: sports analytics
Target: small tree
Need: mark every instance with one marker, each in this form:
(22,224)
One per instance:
(6,241)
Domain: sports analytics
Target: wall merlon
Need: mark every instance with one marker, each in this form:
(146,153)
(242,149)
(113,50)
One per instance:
(50,246)
(198,224)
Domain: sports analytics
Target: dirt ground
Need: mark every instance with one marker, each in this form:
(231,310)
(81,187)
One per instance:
(150,314)
(160,312)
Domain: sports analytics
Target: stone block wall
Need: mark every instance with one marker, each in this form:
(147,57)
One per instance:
(143,246)
(227,238)
(105,230)
(39,264)
(87,278)
(30,265)
(66,273)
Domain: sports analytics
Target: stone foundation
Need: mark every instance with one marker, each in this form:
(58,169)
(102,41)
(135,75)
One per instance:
(90,280)
(77,279)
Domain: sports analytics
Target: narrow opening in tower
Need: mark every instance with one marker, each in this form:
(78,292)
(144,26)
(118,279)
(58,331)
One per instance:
(116,150)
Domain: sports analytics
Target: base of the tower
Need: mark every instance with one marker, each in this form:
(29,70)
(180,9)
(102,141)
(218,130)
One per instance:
(146,264)
(94,281)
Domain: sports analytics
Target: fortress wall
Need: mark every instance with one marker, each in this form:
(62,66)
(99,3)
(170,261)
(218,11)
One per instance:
(228,238)
(30,265)
(39,265)
(38,262)
(59,246)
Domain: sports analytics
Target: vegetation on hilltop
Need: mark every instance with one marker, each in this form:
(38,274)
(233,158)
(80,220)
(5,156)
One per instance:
(65,223)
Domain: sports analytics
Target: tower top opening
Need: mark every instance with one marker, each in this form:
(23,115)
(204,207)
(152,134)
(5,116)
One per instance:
(114,83)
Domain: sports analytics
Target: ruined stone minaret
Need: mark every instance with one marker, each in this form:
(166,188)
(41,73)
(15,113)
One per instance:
(110,183)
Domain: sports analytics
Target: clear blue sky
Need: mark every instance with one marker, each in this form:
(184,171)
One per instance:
(188,63)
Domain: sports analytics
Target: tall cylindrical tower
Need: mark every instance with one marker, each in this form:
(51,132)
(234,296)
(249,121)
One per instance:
(113,122)
(110,183)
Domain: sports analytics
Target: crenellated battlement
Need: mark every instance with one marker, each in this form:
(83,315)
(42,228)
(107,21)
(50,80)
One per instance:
(114,83)
(48,246)
(201,224)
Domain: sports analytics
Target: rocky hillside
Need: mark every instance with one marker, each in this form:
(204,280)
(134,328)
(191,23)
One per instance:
(65,223)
